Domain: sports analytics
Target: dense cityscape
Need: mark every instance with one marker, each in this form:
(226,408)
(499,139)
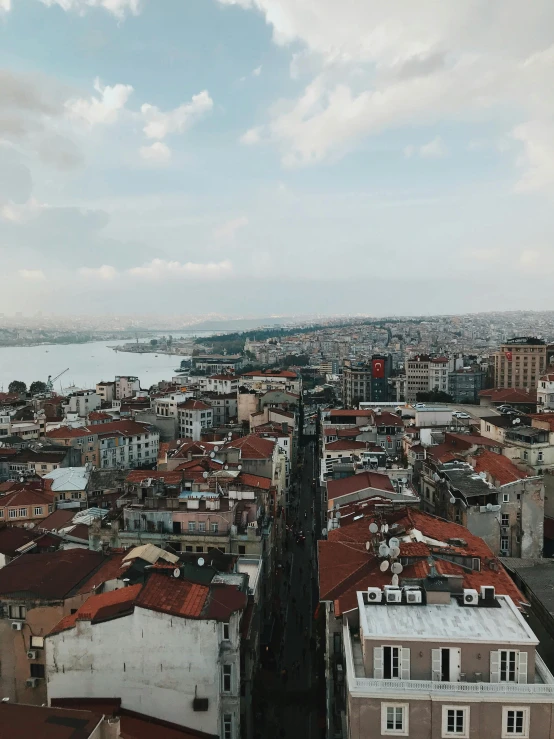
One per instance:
(228,552)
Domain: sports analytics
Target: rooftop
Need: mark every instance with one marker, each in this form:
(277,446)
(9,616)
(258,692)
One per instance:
(443,623)
(68,478)
(357,483)
(20,721)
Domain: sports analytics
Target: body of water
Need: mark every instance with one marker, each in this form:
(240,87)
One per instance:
(88,364)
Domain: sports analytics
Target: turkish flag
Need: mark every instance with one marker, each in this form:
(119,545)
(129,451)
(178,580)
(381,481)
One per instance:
(378,368)
(508,356)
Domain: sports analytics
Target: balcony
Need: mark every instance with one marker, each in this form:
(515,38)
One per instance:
(363,686)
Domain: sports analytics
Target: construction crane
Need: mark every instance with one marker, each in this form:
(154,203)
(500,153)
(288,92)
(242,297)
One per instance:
(51,380)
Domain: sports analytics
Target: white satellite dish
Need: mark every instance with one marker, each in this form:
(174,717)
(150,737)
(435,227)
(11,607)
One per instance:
(239,467)
(384,551)
(367,545)
(373,528)
(394,551)
(452,500)
(226,467)
(200,562)
(396,568)
(394,542)
(382,528)
(216,448)
(176,572)
(204,475)
(489,506)
(212,454)
(384,566)
(395,580)
(386,527)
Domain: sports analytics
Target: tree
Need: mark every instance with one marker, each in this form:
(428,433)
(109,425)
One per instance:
(434,396)
(38,387)
(17,387)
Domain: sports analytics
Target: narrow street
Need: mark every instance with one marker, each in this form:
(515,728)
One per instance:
(293,687)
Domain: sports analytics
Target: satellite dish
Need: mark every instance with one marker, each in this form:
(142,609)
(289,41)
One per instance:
(384,550)
(239,467)
(216,448)
(382,528)
(489,506)
(395,580)
(384,566)
(31,525)
(452,500)
(386,527)
(396,568)
(176,572)
(367,545)
(226,467)
(394,542)
(204,475)
(212,455)
(373,528)
(395,551)
(200,562)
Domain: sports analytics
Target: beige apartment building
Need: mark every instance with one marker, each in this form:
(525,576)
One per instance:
(520,362)
(439,662)
(425,374)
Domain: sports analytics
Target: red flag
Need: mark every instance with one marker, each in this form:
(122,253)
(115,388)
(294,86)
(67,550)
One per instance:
(508,356)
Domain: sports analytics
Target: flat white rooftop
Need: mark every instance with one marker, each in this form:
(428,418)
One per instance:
(451,622)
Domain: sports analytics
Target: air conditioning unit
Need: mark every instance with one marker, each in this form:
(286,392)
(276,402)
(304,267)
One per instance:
(32,682)
(471,597)
(32,654)
(374,595)
(487,592)
(394,595)
(414,596)
(17,626)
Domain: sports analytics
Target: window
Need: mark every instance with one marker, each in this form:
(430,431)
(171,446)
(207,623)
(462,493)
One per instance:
(12,513)
(37,670)
(37,642)
(242,549)
(1,513)
(226,628)
(227,726)
(508,666)
(227,678)
(505,519)
(391,656)
(504,544)
(539,456)
(515,722)
(192,525)
(505,497)
(201,526)
(18,612)
(455,721)
(22,512)
(215,528)
(38,510)
(394,719)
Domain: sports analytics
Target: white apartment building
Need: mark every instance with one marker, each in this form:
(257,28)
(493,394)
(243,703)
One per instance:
(129,444)
(545,393)
(194,416)
(222,384)
(126,386)
(167,407)
(425,374)
(169,649)
(82,403)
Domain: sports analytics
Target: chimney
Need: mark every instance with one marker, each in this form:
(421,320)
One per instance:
(111,728)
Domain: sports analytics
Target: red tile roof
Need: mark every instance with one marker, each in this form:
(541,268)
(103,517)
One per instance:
(51,575)
(169,595)
(466,441)
(194,405)
(509,395)
(255,481)
(26,497)
(345,567)
(13,537)
(57,520)
(347,433)
(21,721)
(65,432)
(501,469)
(110,569)
(101,607)
(542,420)
(173,477)
(270,373)
(253,447)
(223,377)
(124,428)
(344,445)
(355,483)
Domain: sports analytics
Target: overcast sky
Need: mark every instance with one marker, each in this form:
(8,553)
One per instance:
(276,156)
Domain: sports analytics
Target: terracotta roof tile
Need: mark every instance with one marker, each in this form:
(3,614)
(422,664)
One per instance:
(253,447)
(500,468)
(354,483)
(101,607)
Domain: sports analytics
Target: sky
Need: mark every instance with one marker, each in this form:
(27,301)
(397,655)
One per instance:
(263,157)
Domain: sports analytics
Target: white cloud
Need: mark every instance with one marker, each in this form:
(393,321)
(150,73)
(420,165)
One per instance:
(102,109)
(537,159)
(227,231)
(32,275)
(158,153)
(106,273)
(252,136)
(117,7)
(158,124)
(20,212)
(5,5)
(257,72)
(161,269)
(529,258)
(435,149)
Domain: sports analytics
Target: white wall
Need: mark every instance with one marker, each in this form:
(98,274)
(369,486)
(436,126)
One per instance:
(150,660)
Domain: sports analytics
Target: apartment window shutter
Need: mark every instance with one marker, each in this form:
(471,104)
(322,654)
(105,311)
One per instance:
(378,663)
(522,668)
(495,667)
(405,664)
(436,664)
